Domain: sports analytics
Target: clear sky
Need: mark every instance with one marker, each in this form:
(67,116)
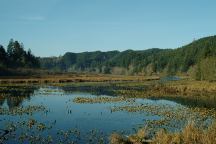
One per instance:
(53,27)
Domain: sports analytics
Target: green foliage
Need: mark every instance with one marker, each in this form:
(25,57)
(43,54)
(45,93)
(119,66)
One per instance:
(87,61)
(107,70)
(151,61)
(206,69)
(197,57)
(17,57)
(3,57)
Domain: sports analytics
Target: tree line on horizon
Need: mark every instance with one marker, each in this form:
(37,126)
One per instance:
(197,59)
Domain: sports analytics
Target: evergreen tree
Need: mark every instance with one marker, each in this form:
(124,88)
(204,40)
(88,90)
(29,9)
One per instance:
(10,52)
(17,57)
(3,57)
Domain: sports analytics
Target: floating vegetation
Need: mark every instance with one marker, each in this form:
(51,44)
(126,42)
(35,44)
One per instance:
(170,116)
(26,124)
(175,111)
(22,110)
(33,134)
(99,99)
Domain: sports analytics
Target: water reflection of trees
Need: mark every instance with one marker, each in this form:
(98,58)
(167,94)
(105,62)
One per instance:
(14,96)
(96,90)
(2,100)
(100,89)
(204,101)
(194,101)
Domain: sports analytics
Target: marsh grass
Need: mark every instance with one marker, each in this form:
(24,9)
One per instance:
(186,87)
(128,85)
(70,78)
(181,87)
(116,138)
(191,134)
(131,87)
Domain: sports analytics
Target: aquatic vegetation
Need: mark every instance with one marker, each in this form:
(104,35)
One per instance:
(99,99)
(170,116)
(22,110)
(123,98)
(34,134)
(41,126)
(31,122)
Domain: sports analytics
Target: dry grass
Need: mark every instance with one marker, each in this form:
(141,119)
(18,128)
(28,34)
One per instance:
(116,138)
(74,78)
(191,134)
(186,86)
(140,137)
(181,87)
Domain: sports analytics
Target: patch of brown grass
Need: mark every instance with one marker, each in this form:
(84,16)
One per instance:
(116,138)
(191,134)
(70,78)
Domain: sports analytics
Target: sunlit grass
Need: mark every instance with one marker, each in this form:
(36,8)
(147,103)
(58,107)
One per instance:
(190,134)
(70,78)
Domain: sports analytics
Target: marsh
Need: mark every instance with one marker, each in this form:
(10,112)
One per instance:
(88,114)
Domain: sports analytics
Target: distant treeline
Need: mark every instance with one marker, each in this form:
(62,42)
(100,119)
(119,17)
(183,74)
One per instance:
(197,59)
(15,56)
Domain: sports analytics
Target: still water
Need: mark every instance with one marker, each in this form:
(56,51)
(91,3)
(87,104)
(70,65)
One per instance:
(60,120)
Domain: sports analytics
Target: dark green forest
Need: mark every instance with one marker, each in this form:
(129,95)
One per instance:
(197,59)
(16,57)
(190,59)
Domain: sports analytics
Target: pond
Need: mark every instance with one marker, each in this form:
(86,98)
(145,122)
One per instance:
(48,114)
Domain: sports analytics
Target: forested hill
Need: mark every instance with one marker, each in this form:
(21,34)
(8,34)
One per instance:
(152,61)
(197,59)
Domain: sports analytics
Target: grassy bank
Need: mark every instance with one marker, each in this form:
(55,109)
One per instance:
(181,87)
(191,134)
(132,86)
(70,78)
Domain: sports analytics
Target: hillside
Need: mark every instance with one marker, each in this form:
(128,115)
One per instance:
(151,61)
(197,59)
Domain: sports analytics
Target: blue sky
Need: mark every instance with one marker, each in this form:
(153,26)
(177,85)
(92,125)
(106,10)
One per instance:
(53,27)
